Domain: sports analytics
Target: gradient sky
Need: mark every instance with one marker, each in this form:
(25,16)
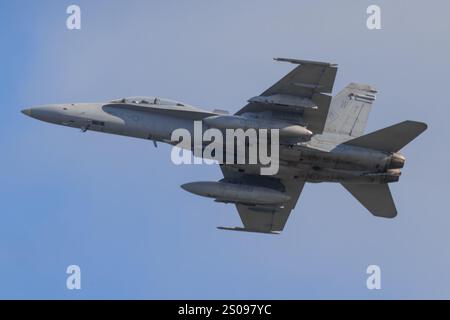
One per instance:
(113,206)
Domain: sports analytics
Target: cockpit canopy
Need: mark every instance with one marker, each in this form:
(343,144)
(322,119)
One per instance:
(149,101)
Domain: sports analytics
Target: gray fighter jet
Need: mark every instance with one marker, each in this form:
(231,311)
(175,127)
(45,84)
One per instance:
(321,140)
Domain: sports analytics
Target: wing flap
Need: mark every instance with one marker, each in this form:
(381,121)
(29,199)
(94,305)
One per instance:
(245,230)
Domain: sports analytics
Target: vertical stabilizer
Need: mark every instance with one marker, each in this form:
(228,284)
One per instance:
(349,110)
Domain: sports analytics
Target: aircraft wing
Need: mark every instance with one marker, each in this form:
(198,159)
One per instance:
(301,96)
(265,219)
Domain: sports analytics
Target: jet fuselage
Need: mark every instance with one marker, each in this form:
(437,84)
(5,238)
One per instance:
(310,135)
(340,163)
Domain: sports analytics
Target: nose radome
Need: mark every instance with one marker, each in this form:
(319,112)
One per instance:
(27,112)
(47,113)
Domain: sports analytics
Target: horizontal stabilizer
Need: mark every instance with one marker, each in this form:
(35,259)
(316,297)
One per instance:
(390,139)
(376,198)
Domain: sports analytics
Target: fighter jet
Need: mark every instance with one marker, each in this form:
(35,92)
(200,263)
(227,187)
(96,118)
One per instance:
(322,139)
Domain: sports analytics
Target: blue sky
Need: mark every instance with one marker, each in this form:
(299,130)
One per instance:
(113,206)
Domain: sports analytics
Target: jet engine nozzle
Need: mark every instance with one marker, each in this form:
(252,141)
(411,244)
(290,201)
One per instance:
(397,161)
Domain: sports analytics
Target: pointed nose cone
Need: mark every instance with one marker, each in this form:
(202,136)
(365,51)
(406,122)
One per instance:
(47,113)
(27,112)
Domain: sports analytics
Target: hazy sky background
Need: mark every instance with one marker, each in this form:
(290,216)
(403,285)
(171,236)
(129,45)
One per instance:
(113,206)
